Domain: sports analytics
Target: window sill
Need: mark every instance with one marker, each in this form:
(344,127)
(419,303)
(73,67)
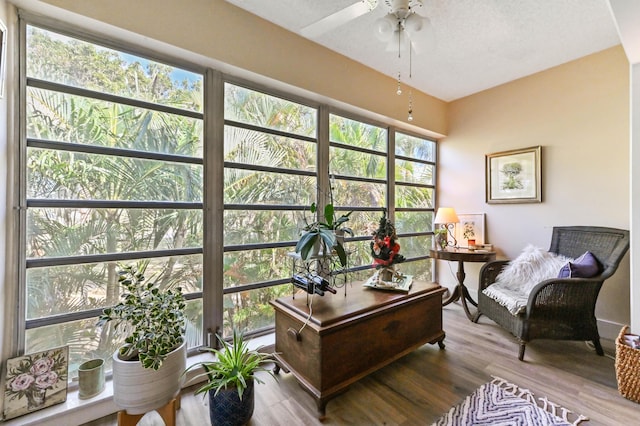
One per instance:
(76,411)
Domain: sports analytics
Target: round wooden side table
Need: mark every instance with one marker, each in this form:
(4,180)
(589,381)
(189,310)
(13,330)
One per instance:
(461,255)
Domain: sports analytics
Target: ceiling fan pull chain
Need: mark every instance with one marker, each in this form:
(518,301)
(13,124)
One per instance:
(410,117)
(399,37)
(410,59)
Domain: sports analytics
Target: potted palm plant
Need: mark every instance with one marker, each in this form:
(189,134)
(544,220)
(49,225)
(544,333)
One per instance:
(324,236)
(230,378)
(147,368)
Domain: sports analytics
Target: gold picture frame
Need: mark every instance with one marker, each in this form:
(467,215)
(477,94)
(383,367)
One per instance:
(514,176)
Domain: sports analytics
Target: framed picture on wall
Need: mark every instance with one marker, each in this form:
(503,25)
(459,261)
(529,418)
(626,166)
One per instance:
(514,176)
(470,227)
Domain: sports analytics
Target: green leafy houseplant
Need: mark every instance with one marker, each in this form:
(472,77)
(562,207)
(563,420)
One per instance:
(440,236)
(235,365)
(153,318)
(324,233)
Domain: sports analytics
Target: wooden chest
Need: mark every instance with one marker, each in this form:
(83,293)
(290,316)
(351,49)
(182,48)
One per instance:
(349,336)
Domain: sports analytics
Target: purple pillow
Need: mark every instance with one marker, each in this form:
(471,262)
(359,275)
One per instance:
(586,266)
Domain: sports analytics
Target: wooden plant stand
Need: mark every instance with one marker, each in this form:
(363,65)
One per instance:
(167,412)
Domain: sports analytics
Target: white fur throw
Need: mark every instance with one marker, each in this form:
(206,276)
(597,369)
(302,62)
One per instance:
(517,279)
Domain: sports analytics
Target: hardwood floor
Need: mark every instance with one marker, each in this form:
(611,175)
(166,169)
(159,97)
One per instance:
(418,388)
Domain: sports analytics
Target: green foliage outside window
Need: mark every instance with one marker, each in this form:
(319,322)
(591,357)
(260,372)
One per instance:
(52,174)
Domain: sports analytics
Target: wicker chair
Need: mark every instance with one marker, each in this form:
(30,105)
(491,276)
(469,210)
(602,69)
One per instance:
(561,309)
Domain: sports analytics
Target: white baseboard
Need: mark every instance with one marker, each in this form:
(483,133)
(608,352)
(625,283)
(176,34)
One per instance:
(609,329)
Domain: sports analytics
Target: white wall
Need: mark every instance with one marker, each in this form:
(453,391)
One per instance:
(634,158)
(626,13)
(579,114)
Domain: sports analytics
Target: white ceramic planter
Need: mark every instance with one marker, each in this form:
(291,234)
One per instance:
(139,390)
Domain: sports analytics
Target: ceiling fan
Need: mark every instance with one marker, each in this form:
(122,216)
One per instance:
(402,20)
(398,28)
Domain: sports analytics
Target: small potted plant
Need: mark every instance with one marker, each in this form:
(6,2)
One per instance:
(324,236)
(229,380)
(385,248)
(441,239)
(147,367)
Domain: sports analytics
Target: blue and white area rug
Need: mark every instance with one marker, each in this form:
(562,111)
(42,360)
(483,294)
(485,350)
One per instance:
(502,403)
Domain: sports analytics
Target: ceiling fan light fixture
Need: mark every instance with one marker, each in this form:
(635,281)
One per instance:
(398,43)
(400,8)
(385,27)
(414,23)
(399,29)
(403,8)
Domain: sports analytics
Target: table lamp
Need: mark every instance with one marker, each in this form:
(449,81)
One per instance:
(447,218)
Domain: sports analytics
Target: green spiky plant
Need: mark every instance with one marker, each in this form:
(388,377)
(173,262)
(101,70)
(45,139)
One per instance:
(235,365)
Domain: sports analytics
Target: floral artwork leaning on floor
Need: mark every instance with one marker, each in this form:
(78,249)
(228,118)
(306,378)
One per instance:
(36,381)
(384,247)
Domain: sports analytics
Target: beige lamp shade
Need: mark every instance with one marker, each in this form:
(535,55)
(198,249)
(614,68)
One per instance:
(446,215)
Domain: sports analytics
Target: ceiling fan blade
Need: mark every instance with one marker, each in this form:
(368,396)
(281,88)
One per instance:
(338,18)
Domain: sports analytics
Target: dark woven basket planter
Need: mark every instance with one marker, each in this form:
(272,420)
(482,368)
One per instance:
(226,408)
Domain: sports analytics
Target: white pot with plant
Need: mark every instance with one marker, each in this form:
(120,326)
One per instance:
(147,368)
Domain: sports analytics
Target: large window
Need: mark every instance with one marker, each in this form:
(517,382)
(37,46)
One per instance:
(270,147)
(365,175)
(114,175)
(117,167)
(358,166)
(415,163)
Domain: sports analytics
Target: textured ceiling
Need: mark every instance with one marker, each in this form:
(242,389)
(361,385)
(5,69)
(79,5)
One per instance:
(479,44)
